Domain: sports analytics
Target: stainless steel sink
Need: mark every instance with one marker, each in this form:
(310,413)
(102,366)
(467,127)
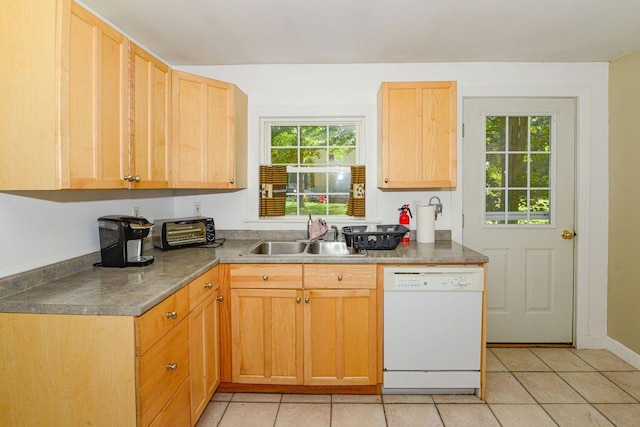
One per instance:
(301,248)
(331,249)
(276,248)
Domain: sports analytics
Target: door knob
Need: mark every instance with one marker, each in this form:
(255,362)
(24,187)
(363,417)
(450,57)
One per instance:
(568,235)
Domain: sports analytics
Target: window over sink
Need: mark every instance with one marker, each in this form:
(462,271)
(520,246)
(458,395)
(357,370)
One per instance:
(318,154)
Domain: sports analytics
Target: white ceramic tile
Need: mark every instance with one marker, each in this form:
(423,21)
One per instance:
(603,360)
(522,416)
(493,363)
(222,397)
(256,397)
(463,415)
(596,388)
(620,414)
(548,387)
(412,415)
(304,415)
(306,398)
(407,398)
(628,381)
(356,398)
(520,359)
(357,415)
(502,387)
(561,359)
(249,414)
(212,414)
(576,415)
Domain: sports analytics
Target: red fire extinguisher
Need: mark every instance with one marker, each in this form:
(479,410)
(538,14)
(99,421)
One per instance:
(405,213)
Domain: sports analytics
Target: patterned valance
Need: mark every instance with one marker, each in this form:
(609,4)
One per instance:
(273,190)
(356,203)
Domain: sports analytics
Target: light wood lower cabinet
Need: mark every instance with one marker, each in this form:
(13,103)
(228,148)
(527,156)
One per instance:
(266,336)
(340,337)
(300,336)
(204,341)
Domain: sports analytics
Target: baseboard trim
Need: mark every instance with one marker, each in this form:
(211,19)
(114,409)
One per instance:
(622,352)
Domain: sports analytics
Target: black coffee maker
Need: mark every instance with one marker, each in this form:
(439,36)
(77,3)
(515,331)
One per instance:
(121,240)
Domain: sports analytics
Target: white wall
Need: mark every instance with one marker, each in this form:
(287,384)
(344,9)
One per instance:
(350,89)
(38,228)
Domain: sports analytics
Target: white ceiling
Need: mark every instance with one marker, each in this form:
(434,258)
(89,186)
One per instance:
(217,32)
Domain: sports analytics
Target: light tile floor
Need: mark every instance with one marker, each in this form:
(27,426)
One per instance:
(525,387)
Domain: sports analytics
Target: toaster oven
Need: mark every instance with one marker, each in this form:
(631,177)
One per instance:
(180,232)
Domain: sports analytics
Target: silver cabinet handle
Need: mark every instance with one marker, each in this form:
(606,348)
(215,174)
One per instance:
(298,299)
(208,285)
(265,277)
(220,298)
(172,315)
(339,277)
(172,366)
(130,178)
(232,181)
(386,180)
(306,300)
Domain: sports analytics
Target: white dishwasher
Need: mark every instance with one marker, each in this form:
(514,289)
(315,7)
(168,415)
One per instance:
(432,329)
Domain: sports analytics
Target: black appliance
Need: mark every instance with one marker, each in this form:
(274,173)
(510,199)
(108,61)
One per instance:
(121,240)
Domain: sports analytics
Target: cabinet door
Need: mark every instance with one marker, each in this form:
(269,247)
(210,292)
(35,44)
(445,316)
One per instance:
(340,337)
(266,336)
(209,148)
(204,342)
(149,104)
(417,135)
(95,155)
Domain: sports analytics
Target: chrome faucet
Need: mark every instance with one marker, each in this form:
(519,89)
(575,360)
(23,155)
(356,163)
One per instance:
(336,235)
(309,222)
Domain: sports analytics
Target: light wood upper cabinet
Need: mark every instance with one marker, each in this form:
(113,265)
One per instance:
(82,110)
(209,133)
(97,150)
(417,142)
(64,107)
(149,120)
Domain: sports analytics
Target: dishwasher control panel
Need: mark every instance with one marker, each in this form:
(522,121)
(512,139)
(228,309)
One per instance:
(425,279)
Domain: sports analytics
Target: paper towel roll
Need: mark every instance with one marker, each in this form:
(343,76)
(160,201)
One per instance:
(426,224)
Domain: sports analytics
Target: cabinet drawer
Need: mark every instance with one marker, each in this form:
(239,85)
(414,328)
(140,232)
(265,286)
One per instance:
(203,286)
(264,276)
(176,412)
(160,319)
(161,371)
(336,276)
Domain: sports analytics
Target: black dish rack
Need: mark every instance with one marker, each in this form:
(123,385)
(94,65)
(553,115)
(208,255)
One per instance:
(384,237)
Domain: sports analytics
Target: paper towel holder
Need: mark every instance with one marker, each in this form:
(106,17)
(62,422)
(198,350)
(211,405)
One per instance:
(438,205)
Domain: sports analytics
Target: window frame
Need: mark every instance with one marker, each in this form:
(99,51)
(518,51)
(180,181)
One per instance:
(266,123)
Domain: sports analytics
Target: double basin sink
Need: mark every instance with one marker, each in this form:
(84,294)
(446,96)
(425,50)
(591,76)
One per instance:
(302,248)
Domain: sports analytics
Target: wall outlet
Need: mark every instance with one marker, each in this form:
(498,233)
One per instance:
(197,208)
(135,211)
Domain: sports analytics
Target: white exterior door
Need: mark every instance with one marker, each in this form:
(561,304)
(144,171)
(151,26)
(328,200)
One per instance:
(518,206)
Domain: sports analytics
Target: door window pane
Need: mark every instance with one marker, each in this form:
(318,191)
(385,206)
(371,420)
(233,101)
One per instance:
(518,191)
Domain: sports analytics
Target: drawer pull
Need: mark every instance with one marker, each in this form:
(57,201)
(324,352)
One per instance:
(298,300)
(172,366)
(265,277)
(306,300)
(220,298)
(339,277)
(208,285)
(172,315)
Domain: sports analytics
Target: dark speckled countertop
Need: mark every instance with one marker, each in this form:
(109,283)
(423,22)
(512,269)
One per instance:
(134,290)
